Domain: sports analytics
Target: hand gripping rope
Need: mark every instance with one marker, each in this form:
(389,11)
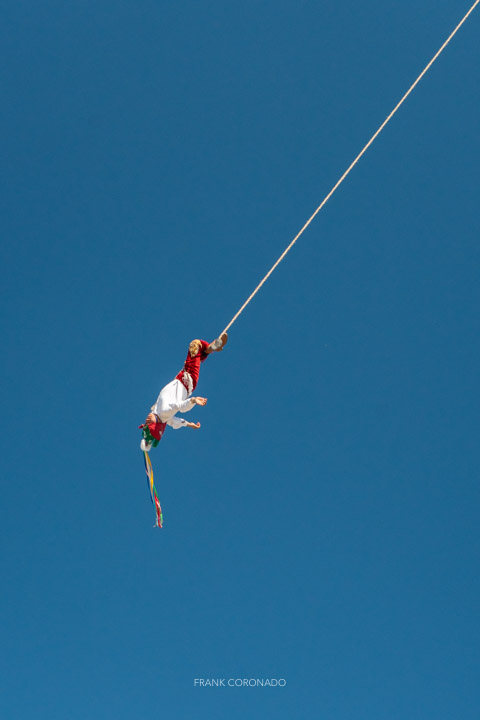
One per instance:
(347,171)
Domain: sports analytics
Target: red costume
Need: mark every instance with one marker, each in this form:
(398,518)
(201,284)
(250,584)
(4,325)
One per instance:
(188,376)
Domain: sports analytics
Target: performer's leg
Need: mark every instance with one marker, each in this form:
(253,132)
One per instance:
(218,344)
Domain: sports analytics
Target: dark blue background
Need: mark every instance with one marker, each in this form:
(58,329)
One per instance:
(322,526)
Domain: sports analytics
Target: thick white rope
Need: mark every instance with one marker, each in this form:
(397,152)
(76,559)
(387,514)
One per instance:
(352,165)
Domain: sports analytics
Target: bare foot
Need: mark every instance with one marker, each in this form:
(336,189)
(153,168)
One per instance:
(218,344)
(199,400)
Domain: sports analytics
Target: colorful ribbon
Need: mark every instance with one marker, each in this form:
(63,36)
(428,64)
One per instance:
(153,492)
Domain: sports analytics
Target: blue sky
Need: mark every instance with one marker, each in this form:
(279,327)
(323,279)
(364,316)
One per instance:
(322,525)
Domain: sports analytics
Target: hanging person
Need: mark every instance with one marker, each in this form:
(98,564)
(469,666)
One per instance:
(177,395)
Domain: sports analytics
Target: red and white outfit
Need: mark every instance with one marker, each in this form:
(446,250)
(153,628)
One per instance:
(174,397)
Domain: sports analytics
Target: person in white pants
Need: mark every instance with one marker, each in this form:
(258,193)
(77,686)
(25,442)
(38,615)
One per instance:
(176,396)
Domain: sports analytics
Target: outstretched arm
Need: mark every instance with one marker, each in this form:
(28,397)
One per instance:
(188,404)
(176,423)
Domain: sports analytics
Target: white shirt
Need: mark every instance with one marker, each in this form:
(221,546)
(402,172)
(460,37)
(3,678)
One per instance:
(173,398)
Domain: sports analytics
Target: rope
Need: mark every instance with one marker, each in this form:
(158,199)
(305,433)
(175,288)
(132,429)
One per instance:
(347,171)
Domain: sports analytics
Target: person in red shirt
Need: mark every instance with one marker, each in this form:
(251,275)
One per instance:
(176,396)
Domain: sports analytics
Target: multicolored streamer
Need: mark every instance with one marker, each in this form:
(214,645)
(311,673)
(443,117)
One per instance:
(153,492)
